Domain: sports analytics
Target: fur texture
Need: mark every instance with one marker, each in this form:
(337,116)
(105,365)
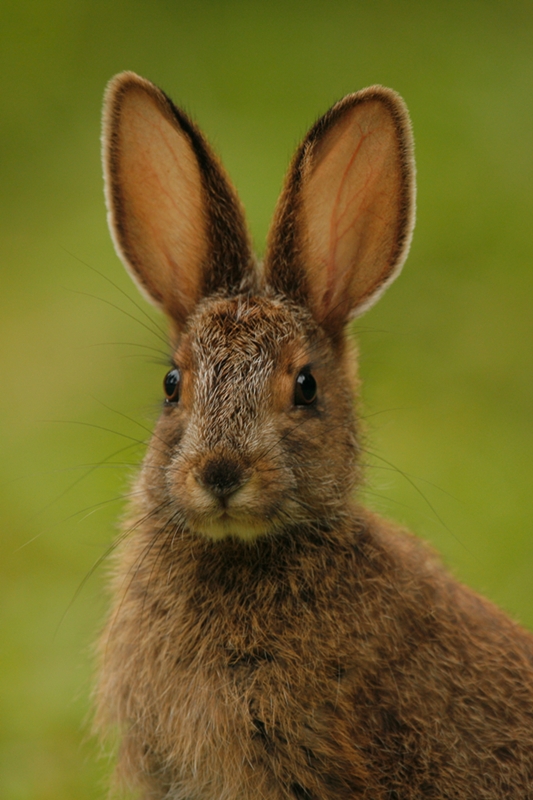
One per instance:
(269,638)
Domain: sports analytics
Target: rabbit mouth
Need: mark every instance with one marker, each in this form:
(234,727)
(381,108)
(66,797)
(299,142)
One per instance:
(243,514)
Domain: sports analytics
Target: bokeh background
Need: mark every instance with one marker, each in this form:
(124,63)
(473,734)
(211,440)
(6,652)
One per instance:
(446,355)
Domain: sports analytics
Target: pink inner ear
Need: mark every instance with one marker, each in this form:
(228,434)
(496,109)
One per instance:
(351,201)
(157,206)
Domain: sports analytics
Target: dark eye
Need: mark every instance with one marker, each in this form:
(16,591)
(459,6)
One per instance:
(171,385)
(305,389)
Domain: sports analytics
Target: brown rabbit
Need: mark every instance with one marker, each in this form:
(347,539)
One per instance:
(270,638)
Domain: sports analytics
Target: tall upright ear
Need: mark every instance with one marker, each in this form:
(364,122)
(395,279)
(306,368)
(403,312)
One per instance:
(174,217)
(344,220)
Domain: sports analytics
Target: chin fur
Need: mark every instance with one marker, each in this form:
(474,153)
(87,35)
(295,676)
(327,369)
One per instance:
(225,527)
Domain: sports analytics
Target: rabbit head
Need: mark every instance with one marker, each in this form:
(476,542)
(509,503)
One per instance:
(257,433)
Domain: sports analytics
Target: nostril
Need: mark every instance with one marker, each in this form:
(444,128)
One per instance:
(222,476)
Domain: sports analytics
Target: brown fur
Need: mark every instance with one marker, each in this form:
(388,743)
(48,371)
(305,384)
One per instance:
(276,640)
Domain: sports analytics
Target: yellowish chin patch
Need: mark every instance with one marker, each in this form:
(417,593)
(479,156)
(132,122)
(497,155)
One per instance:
(224,527)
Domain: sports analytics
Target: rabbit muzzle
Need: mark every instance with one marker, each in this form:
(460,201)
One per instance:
(228,494)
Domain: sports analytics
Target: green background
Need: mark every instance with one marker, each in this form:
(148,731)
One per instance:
(446,355)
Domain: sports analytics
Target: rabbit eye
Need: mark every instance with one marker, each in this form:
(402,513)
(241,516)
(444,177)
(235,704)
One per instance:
(171,385)
(305,389)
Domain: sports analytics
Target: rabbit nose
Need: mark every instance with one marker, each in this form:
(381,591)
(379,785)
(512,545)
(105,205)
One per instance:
(222,476)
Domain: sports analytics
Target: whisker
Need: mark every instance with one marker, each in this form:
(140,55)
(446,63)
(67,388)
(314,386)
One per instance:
(157,560)
(95,506)
(135,422)
(162,361)
(382,411)
(382,496)
(98,562)
(91,509)
(147,550)
(64,492)
(143,442)
(122,292)
(122,310)
(417,489)
(117,464)
(162,353)
(368,465)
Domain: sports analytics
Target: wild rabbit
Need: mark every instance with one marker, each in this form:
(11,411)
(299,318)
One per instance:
(270,638)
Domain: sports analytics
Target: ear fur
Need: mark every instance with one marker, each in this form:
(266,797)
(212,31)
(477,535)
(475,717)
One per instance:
(343,225)
(174,216)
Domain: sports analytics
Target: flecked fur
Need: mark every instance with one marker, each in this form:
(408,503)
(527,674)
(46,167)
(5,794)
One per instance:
(282,642)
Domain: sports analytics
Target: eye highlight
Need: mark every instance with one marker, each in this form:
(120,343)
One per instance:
(305,388)
(172,385)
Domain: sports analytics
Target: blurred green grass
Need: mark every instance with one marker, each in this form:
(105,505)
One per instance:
(446,355)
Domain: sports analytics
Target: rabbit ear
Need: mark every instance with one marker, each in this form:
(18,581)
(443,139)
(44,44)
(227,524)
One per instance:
(343,224)
(175,218)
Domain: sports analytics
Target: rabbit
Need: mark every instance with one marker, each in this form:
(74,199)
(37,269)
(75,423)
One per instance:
(269,637)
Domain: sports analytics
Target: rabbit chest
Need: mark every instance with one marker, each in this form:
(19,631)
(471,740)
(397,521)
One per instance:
(232,670)
(320,667)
